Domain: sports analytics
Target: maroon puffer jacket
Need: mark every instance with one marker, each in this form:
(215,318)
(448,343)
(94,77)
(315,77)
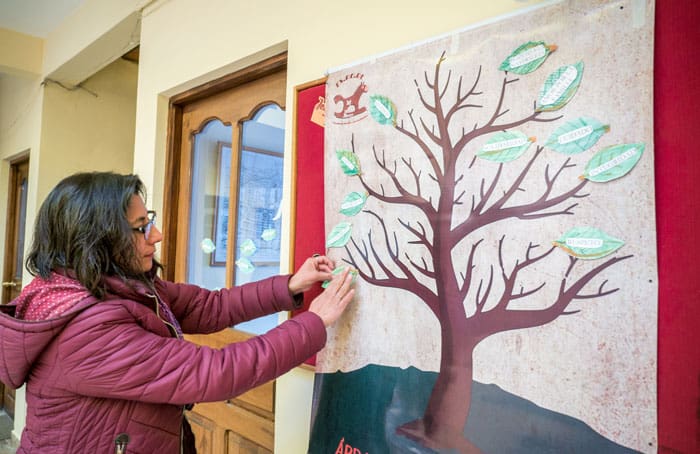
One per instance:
(109,367)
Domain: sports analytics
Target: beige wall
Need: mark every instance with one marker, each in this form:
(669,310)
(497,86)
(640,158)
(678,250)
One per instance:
(89,128)
(203,40)
(21,101)
(20,54)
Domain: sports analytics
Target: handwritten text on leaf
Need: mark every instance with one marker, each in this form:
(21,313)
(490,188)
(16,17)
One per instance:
(505,146)
(382,110)
(577,136)
(353,203)
(588,243)
(560,87)
(340,235)
(527,57)
(613,162)
(348,162)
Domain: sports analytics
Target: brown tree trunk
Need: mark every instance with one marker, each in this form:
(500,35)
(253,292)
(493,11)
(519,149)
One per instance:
(442,425)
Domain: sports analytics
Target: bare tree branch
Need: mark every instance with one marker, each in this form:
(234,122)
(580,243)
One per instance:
(501,319)
(460,102)
(481,301)
(405,196)
(415,137)
(422,235)
(423,269)
(409,282)
(480,217)
(466,283)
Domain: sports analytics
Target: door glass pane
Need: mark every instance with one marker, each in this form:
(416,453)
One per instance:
(211,174)
(258,214)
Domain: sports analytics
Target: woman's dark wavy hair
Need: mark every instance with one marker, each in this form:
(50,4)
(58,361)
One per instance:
(82,227)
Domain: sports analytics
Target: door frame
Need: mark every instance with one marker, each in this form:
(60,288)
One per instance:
(7,394)
(173,158)
(10,240)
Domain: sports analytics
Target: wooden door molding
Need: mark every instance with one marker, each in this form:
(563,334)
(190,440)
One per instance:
(173,157)
(19,171)
(244,423)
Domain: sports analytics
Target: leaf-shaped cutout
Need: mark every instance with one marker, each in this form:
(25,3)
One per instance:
(527,57)
(505,146)
(245,265)
(382,110)
(348,162)
(577,136)
(269,234)
(588,243)
(353,203)
(207,246)
(248,248)
(338,270)
(613,162)
(560,87)
(340,235)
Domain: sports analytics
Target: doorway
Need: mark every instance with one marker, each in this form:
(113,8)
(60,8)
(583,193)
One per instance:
(14,251)
(222,223)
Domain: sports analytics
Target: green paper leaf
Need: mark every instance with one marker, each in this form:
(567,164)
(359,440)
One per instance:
(269,234)
(348,162)
(527,58)
(353,203)
(588,243)
(560,87)
(248,248)
(338,270)
(340,235)
(577,135)
(613,162)
(505,146)
(207,246)
(382,110)
(245,265)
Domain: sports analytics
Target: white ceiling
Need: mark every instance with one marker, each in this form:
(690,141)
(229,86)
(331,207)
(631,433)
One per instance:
(35,17)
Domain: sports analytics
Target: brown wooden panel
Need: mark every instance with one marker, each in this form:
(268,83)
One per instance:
(204,432)
(247,424)
(235,444)
(247,420)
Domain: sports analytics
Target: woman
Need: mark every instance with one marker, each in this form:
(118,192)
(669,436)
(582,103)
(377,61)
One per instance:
(97,336)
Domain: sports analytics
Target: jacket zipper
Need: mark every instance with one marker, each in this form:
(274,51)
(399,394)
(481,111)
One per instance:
(121,441)
(168,324)
(174,331)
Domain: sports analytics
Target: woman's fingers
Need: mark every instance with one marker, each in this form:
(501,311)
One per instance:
(331,304)
(315,269)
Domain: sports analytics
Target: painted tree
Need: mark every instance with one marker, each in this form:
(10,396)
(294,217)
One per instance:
(444,286)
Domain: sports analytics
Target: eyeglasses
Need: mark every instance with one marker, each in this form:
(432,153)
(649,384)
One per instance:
(146,229)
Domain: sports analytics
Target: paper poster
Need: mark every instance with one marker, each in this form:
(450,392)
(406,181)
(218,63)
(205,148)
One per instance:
(493,189)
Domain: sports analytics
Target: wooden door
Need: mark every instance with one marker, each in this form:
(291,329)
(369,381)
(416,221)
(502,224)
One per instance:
(14,251)
(211,200)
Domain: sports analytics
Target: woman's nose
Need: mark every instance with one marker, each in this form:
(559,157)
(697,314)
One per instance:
(155,235)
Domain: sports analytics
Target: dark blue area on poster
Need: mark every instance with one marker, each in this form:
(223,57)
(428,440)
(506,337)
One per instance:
(363,408)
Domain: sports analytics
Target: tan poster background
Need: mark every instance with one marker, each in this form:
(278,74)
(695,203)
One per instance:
(597,364)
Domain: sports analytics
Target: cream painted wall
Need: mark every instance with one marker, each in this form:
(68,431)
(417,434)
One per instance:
(20,54)
(187,42)
(90,128)
(92,21)
(20,120)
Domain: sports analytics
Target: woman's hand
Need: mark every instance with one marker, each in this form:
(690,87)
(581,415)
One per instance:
(330,304)
(315,269)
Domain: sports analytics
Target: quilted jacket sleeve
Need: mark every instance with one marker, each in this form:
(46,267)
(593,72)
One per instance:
(205,311)
(107,352)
